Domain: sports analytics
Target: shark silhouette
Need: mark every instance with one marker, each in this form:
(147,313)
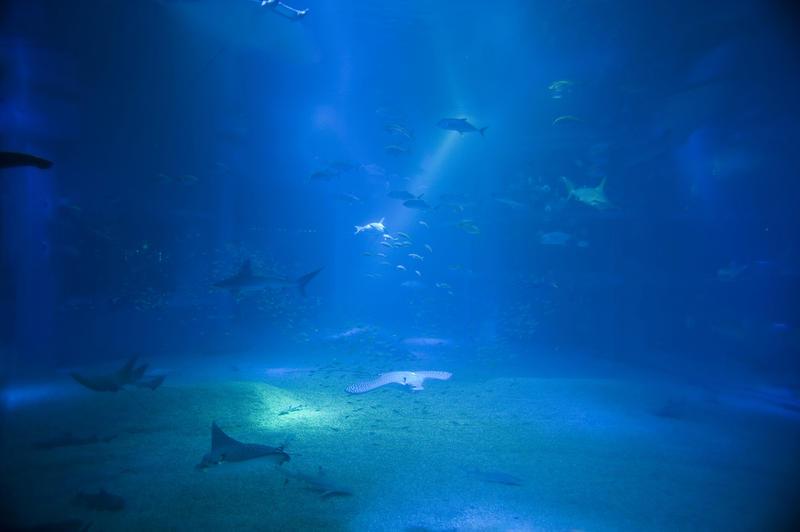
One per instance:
(11,159)
(318,483)
(126,375)
(406,378)
(245,281)
(226,449)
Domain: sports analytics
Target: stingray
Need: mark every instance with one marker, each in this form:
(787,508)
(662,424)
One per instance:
(226,449)
(406,378)
(126,375)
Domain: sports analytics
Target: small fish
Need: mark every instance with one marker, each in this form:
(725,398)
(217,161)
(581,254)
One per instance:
(373,275)
(424,224)
(324,175)
(418,273)
(388,245)
(401,268)
(508,201)
(397,129)
(387,236)
(381,255)
(404,235)
(443,285)
(470,227)
(459,124)
(567,118)
(367,254)
(394,149)
(347,197)
(385,263)
(429,248)
(415,256)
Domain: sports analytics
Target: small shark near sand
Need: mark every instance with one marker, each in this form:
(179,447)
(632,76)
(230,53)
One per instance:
(406,378)
(126,375)
(318,483)
(245,281)
(226,449)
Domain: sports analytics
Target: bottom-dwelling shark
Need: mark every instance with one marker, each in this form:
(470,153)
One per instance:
(126,375)
(245,281)
(318,483)
(226,449)
(406,378)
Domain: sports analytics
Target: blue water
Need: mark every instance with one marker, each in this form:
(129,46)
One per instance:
(604,255)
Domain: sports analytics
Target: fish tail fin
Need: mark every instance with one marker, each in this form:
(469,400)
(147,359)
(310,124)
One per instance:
(483,129)
(358,230)
(303,281)
(569,185)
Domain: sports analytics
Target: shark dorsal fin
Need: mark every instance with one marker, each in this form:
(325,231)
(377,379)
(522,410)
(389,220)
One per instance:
(602,185)
(219,439)
(125,373)
(246,270)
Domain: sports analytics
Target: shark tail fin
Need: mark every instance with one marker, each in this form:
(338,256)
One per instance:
(481,130)
(303,281)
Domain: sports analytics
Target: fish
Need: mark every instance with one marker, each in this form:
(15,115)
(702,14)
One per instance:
(404,235)
(226,449)
(367,254)
(429,248)
(419,273)
(470,227)
(348,333)
(324,175)
(405,378)
(592,196)
(559,88)
(401,267)
(102,500)
(387,244)
(427,342)
(399,130)
(508,201)
(555,238)
(285,10)
(567,118)
(415,256)
(68,440)
(372,275)
(318,483)
(424,224)
(13,159)
(495,477)
(245,281)
(347,197)
(372,226)
(128,374)
(394,149)
(417,204)
(401,195)
(459,124)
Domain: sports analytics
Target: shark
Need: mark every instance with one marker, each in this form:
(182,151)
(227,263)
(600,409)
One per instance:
(245,281)
(318,483)
(406,378)
(373,226)
(592,196)
(226,449)
(128,374)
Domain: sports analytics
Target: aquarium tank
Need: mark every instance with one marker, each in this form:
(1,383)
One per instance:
(404,266)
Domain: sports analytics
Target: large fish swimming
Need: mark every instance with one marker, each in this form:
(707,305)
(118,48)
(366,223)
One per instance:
(245,281)
(11,159)
(459,124)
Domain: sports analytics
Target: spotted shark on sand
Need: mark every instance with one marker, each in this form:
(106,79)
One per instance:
(406,378)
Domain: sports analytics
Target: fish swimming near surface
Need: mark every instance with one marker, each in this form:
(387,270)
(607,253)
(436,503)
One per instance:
(592,196)
(226,449)
(459,124)
(13,159)
(245,281)
(102,500)
(406,378)
(126,375)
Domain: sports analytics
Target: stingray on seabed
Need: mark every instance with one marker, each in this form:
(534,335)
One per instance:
(226,449)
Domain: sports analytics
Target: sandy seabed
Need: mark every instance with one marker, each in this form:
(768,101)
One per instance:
(592,454)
